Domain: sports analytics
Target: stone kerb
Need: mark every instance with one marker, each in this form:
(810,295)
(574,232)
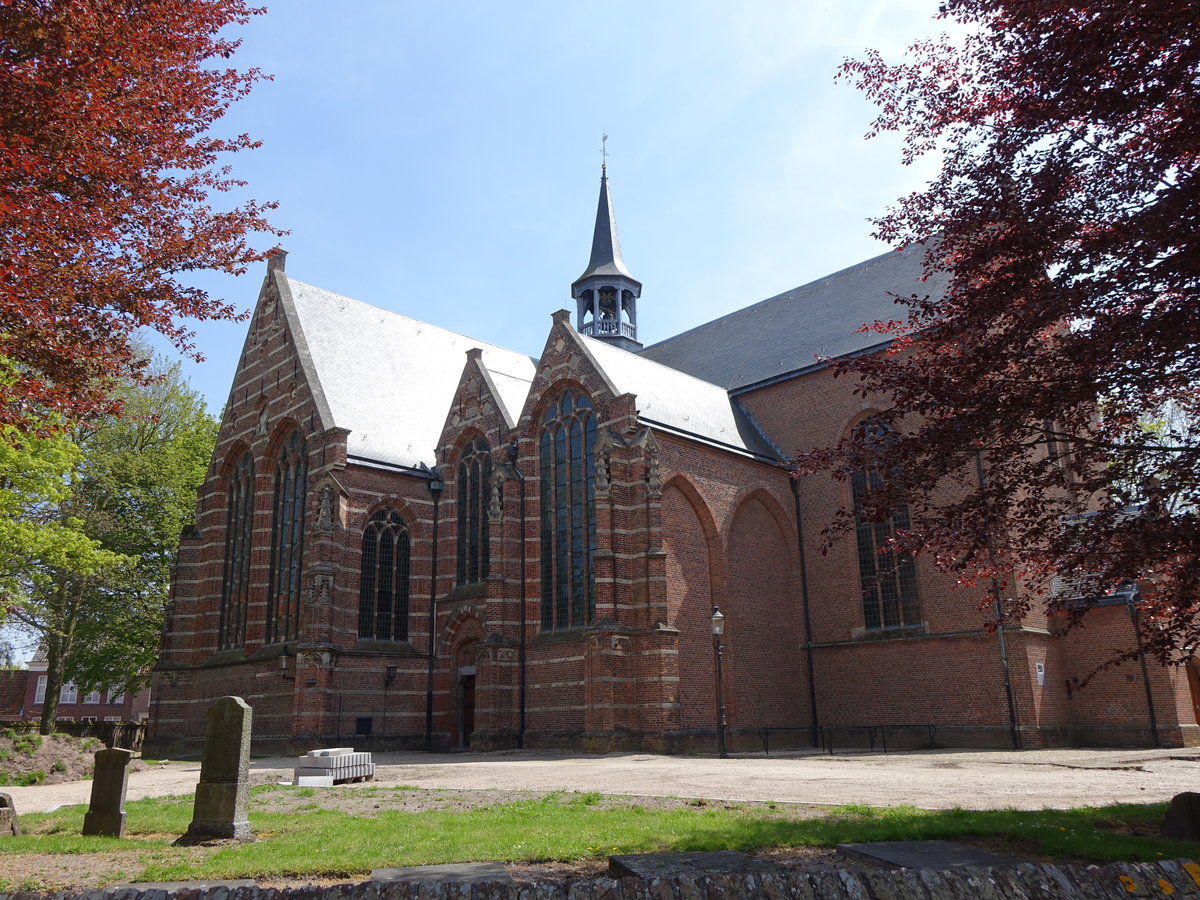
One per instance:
(223,794)
(1174,878)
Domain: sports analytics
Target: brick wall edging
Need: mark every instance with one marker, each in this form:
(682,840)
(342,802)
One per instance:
(1168,878)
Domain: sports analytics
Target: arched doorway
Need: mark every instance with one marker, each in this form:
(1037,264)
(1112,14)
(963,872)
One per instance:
(464,680)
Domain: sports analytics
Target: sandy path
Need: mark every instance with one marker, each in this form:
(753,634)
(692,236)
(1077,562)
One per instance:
(940,779)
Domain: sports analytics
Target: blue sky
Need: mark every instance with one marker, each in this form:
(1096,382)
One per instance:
(442,159)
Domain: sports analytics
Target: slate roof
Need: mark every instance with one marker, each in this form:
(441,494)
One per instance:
(794,331)
(677,402)
(388,378)
(606,244)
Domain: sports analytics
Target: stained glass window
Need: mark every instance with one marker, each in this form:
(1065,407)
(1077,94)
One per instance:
(889,581)
(383,583)
(235,579)
(568,528)
(474,477)
(287,540)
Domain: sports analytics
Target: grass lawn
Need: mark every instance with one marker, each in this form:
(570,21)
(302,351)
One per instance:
(313,840)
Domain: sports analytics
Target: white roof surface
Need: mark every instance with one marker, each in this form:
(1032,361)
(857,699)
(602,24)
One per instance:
(389,379)
(677,401)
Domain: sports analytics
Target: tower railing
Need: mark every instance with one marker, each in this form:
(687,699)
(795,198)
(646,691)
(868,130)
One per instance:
(605,327)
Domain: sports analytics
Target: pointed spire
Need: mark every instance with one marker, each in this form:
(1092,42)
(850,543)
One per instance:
(606,293)
(606,245)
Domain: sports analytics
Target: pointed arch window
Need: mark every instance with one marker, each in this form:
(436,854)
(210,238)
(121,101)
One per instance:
(235,577)
(568,510)
(889,580)
(383,582)
(287,540)
(474,480)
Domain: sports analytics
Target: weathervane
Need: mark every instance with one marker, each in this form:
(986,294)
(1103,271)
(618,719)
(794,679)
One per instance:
(604,151)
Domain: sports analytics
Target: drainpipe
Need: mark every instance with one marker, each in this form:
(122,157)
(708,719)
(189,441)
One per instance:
(1014,733)
(436,484)
(804,600)
(1135,618)
(513,450)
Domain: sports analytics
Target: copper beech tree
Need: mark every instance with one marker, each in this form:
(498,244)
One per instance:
(1039,416)
(107,181)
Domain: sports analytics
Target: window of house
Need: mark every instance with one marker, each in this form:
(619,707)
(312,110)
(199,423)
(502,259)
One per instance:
(91,697)
(287,540)
(889,581)
(474,477)
(68,693)
(116,696)
(39,695)
(568,510)
(239,527)
(112,718)
(89,719)
(383,581)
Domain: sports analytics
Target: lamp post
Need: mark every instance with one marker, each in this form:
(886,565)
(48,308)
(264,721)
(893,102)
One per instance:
(436,484)
(717,621)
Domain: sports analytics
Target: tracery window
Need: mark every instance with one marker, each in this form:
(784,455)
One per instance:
(568,527)
(383,582)
(235,579)
(474,478)
(287,540)
(889,581)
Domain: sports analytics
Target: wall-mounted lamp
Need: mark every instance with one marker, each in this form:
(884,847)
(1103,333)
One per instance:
(389,675)
(284,667)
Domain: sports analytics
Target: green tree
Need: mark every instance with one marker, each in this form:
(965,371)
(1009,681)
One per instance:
(130,493)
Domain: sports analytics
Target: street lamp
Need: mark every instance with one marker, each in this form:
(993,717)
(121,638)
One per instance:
(717,621)
(436,485)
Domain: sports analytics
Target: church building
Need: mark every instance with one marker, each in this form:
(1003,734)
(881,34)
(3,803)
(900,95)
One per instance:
(441,543)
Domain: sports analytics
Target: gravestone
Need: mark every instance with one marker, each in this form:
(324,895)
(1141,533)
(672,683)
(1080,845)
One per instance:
(8,816)
(222,796)
(1182,822)
(106,812)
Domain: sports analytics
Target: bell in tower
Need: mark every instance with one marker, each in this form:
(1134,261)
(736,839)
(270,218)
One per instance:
(606,294)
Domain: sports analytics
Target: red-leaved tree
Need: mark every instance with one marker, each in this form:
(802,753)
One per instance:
(1040,416)
(107,179)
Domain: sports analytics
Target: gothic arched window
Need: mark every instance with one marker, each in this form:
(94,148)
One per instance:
(568,535)
(889,580)
(235,578)
(287,540)
(383,583)
(474,478)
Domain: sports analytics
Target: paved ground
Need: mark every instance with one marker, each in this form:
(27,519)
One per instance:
(938,779)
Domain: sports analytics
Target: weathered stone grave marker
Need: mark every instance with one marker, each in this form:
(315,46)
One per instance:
(1182,822)
(222,796)
(106,812)
(8,816)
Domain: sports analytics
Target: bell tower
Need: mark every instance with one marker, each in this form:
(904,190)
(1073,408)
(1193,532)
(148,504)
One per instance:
(606,294)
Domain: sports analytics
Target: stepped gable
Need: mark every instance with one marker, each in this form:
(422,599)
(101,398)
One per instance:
(389,378)
(795,331)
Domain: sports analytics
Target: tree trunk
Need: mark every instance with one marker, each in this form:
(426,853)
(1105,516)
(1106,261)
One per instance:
(58,649)
(55,663)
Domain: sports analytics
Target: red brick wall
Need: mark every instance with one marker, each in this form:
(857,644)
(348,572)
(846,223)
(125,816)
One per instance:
(680,527)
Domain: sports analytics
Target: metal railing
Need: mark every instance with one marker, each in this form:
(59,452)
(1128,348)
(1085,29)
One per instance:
(600,327)
(874,736)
